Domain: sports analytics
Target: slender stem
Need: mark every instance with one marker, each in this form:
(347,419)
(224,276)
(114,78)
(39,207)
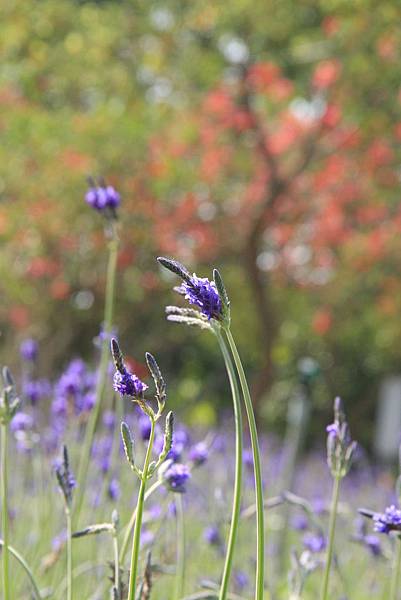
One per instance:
(4,510)
(236,507)
(26,568)
(396,575)
(131,524)
(260,530)
(180,561)
(102,375)
(116,564)
(139,514)
(69,555)
(332,527)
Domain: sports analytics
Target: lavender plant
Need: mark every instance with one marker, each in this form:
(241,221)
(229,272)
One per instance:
(340,450)
(9,404)
(212,299)
(106,200)
(66,483)
(128,384)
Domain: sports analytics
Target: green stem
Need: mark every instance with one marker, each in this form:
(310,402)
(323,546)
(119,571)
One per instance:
(332,527)
(396,575)
(4,510)
(102,375)
(236,507)
(139,514)
(260,530)
(69,555)
(131,524)
(26,568)
(180,561)
(116,564)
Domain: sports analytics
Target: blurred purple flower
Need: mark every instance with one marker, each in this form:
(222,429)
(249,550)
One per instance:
(314,542)
(199,453)
(103,197)
(113,489)
(176,477)
(21,422)
(388,521)
(29,349)
(212,535)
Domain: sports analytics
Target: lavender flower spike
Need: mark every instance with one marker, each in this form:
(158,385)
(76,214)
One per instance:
(199,291)
(124,382)
(385,522)
(103,198)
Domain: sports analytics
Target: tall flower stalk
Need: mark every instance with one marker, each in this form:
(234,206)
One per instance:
(127,384)
(66,483)
(105,200)
(212,300)
(9,403)
(340,450)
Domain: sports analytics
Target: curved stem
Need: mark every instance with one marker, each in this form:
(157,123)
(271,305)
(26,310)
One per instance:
(180,561)
(139,514)
(4,510)
(236,507)
(131,524)
(332,527)
(396,575)
(102,375)
(116,564)
(26,568)
(69,556)
(260,529)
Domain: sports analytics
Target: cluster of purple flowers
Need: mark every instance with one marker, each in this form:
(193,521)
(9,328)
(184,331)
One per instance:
(176,477)
(103,197)
(74,389)
(128,384)
(388,521)
(201,292)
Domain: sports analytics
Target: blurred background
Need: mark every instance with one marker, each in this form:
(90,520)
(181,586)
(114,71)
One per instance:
(262,137)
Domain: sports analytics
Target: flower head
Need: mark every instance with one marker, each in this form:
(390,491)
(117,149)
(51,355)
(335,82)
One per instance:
(209,296)
(29,349)
(128,384)
(202,293)
(388,521)
(199,453)
(103,198)
(176,477)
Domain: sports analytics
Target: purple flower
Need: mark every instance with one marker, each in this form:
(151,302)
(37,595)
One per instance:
(299,522)
(147,537)
(202,293)
(128,384)
(145,427)
(199,454)
(372,542)
(29,349)
(241,580)
(176,477)
(102,197)
(21,422)
(212,535)
(388,521)
(114,489)
(313,542)
(36,389)
(109,419)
